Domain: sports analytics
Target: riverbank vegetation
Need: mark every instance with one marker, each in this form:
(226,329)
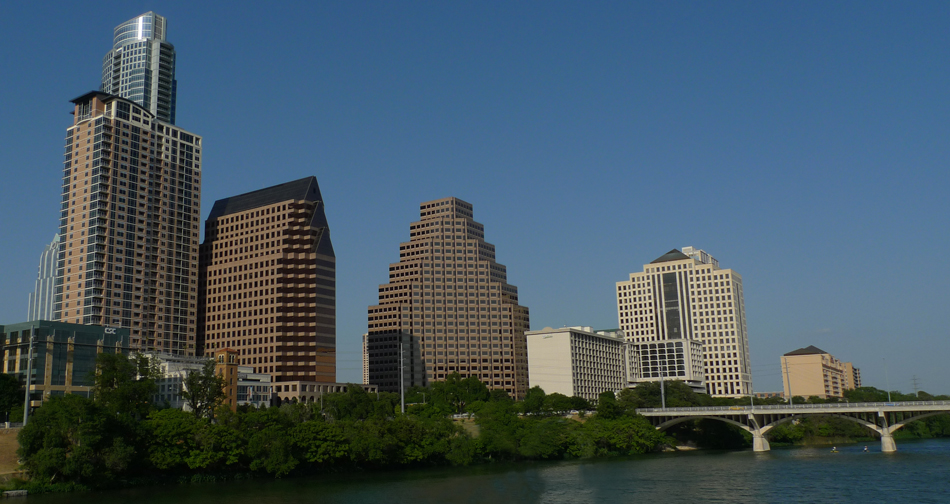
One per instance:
(118,437)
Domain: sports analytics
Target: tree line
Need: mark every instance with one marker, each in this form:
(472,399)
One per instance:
(119,437)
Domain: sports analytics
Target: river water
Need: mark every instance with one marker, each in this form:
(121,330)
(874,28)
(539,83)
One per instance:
(918,472)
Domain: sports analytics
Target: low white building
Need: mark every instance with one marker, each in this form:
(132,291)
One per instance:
(173,370)
(576,361)
(253,388)
(677,359)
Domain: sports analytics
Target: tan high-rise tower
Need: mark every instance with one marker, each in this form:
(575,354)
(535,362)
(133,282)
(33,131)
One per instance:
(268,282)
(129,221)
(448,308)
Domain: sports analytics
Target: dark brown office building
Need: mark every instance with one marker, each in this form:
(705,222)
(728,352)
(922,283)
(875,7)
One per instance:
(267,282)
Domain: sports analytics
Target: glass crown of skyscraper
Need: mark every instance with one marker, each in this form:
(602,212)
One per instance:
(146,26)
(141,65)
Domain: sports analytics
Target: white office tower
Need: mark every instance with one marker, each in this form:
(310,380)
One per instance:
(41,299)
(685,320)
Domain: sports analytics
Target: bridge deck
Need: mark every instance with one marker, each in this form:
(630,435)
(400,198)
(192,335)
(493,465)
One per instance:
(881,417)
(889,407)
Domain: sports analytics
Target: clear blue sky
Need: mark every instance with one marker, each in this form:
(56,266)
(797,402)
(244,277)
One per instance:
(803,144)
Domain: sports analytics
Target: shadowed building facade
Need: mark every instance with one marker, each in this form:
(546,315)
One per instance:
(268,282)
(64,355)
(447,308)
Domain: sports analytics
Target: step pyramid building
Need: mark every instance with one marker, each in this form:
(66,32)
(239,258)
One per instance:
(447,308)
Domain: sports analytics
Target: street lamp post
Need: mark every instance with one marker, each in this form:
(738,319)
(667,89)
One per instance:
(402,389)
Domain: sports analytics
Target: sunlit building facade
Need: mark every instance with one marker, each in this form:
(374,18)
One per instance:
(685,317)
(811,371)
(577,361)
(268,282)
(128,254)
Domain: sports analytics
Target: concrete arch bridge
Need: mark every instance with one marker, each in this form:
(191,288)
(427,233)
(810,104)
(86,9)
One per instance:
(882,418)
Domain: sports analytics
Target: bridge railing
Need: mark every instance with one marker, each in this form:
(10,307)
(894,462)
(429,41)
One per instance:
(795,406)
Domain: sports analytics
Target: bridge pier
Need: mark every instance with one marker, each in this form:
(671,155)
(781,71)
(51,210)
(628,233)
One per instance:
(887,442)
(759,442)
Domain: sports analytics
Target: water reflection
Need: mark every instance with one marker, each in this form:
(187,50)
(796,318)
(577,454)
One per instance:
(916,473)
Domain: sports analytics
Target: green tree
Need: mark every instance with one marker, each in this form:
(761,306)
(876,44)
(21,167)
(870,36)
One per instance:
(320,443)
(622,435)
(72,439)
(543,438)
(124,386)
(607,406)
(11,395)
(580,404)
(533,403)
(499,429)
(203,390)
(456,392)
(499,395)
(678,394)
(172,435)
(558,403)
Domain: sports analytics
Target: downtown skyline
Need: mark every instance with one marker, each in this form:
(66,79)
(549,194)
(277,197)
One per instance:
(801,147)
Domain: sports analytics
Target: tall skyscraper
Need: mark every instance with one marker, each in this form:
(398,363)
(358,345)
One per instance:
(448,308)
(41,299)
(268,282)
(129,224)
(141,66)
(685,319)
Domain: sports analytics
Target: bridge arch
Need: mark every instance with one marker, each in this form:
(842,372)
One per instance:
(899,425)
(669,423)
(769,426)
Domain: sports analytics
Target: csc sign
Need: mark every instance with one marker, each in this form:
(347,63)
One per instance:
(110,330)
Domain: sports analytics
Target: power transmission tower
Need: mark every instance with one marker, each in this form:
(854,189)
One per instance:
(916,391)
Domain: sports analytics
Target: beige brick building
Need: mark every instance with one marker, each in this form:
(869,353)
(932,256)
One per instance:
(268,282)
(447,308)
(128,254)
(685,319)
(811,371)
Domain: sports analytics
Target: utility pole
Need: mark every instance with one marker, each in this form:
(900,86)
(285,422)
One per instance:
(402,386)
(29,377)
(662,389)
(788,382)
(887,382)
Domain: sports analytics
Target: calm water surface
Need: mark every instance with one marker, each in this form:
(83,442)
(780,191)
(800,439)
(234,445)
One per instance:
(918,472)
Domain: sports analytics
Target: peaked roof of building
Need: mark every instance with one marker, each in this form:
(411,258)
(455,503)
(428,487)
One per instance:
(809,350)
(303,189)
(673,255)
